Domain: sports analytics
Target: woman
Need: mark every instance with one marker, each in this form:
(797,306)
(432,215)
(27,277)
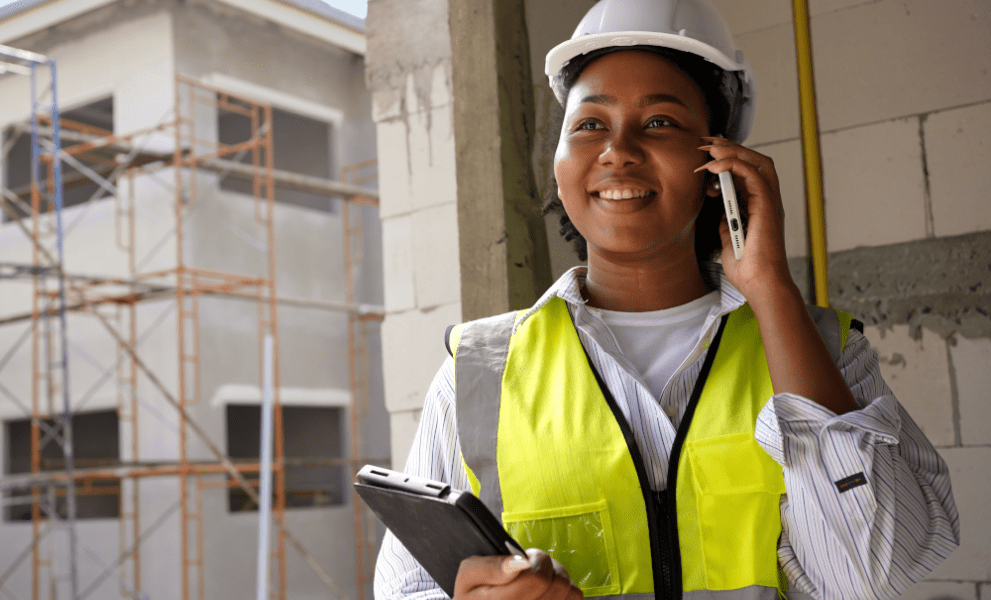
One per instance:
(660,425)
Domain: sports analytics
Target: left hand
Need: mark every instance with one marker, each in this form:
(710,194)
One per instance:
(764,263)
(797,358)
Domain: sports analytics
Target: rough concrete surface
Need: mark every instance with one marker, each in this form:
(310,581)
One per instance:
(942,284)
(406,38)
(504,257)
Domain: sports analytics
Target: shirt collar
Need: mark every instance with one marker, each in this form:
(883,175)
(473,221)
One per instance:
(569,288)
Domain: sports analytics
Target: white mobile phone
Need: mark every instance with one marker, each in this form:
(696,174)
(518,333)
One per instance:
(733,216)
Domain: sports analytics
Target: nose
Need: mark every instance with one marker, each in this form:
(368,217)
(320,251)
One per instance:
(622,149)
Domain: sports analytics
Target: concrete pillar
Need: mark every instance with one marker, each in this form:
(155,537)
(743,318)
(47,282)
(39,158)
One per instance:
(462,234)
(504,259)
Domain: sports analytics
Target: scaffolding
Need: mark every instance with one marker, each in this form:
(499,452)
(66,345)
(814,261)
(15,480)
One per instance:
(114,162)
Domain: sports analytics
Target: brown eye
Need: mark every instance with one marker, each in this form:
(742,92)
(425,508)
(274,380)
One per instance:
(659,122)
(589,125)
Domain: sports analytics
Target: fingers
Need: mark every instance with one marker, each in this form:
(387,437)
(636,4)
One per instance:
(485,571)
(755,189)
(550,580)
(573,593)
(538,577)
(719,149)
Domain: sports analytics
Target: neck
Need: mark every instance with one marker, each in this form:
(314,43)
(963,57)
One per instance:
(642,285)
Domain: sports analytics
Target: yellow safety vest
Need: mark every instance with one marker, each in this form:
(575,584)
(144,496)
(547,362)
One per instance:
(546,447)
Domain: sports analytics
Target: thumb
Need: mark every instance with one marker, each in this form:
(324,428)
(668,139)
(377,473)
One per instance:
(478,571)
(512,565)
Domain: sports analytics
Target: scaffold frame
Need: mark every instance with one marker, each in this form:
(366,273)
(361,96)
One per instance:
(95,295)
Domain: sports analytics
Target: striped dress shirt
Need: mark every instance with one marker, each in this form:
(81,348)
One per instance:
(869,541)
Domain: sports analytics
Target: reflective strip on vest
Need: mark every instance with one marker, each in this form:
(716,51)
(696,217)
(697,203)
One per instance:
(728,489)
(480,355)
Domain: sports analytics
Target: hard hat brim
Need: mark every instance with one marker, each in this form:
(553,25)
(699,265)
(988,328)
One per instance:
(560,55)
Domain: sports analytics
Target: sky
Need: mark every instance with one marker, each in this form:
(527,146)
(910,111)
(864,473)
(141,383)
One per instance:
(357,8)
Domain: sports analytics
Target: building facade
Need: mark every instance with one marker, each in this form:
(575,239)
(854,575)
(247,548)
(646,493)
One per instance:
(176,264)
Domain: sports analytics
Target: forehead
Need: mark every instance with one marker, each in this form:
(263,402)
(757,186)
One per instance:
(629,75)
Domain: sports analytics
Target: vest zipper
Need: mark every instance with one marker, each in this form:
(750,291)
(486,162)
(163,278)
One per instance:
(661,507)
(650,503)
(669,495)
(700,349)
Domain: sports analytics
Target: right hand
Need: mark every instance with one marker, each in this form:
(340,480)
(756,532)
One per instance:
(505,577)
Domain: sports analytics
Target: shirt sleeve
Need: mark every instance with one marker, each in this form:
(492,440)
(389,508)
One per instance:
(847,477)
(436,454)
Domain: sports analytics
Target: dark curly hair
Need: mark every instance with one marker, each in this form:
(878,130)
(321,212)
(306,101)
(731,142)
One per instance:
(712,83)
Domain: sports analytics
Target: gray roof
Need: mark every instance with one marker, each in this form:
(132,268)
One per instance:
(316,7)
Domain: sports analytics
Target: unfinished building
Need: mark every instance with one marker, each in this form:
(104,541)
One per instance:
(217,189)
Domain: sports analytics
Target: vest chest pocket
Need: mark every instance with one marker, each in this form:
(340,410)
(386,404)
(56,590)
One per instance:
(733,464)
(578,537)
(737,489)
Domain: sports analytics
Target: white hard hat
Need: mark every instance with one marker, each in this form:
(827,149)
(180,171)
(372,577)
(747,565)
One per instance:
(691,26)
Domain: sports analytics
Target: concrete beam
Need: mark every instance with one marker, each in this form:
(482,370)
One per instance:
(942,284)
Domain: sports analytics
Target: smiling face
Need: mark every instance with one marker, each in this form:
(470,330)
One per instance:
(629,144)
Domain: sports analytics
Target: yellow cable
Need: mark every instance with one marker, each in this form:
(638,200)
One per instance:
(810,151)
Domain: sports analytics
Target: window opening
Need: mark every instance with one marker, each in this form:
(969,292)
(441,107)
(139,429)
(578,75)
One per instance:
(312,440)
(95,118)
(95,443)
(299,145)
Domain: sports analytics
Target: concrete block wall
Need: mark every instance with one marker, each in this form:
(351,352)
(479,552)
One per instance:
(901,93)
(410,78)
(943,384)
(904,100)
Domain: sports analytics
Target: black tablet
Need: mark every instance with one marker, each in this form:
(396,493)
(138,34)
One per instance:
(439,526)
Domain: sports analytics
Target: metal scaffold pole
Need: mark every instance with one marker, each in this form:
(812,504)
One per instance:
(364,524)
(265,475)
(56,363)
(67,447)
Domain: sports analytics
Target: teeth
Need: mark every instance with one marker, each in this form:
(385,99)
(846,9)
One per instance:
(622,194)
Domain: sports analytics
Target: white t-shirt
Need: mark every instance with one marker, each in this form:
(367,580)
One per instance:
(658,341)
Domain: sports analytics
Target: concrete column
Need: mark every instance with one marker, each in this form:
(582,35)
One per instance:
(462,235)
(504,260)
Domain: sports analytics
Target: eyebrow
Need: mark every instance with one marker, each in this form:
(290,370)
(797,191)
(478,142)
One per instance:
(608,100)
